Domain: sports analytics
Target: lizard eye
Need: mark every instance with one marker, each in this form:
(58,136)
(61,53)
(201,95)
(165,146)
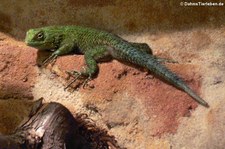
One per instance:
(40,35)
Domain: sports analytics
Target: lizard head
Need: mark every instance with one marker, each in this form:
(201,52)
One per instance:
(42,38)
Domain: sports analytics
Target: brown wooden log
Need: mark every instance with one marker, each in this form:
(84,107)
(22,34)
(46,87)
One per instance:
(52,126)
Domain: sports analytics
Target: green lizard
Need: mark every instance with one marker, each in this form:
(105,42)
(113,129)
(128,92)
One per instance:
(95,45)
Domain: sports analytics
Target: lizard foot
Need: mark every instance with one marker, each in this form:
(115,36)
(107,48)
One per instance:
(50,59)
(77,75)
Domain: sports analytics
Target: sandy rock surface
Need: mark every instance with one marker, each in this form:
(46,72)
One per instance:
(138,108)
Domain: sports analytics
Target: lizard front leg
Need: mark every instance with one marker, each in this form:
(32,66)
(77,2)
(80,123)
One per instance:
(91,57)
(62,50)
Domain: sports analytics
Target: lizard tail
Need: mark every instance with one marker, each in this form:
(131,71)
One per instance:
(143,59)
(159,69)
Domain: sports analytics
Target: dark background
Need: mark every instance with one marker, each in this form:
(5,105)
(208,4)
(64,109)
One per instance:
(118,16)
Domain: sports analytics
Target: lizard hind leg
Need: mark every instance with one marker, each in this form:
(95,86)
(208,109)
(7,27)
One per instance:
(142,47)
(146,49)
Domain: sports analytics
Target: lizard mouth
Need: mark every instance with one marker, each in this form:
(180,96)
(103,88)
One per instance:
(41,45)
(33,44)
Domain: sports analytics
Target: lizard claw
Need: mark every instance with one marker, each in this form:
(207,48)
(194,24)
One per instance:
(86,81)
(69,84)
(73,73)
(50,59)
(76,75)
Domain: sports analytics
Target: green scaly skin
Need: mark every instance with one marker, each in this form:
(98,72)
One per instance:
(96,45)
